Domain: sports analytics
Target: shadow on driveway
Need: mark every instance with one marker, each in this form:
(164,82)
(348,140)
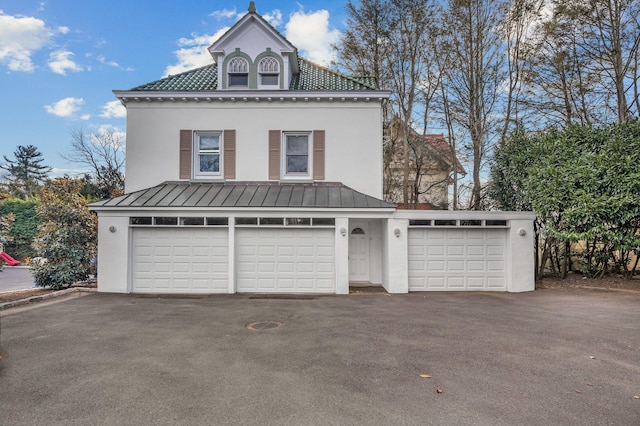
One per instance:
(547,357)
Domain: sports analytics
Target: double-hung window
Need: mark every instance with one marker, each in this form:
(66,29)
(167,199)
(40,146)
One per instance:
(269,70)
(238,72)
(207,154)
(296,153)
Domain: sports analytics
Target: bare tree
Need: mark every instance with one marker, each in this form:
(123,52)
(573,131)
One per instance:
(103,153)
(609,33)
(474,72)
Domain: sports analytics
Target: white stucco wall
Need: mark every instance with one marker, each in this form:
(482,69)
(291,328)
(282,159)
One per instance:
(113,252)
(353,153)
(522,256)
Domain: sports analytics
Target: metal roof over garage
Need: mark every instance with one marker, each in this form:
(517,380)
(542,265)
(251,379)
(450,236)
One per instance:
(246,195)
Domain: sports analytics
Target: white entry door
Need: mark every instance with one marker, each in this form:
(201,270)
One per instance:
(359,252)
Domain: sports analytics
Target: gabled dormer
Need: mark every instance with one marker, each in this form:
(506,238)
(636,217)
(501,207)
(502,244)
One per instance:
(253,55)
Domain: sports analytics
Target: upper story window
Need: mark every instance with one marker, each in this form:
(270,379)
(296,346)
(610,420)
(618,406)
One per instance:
(296,155)
(269,71)
(207,154)
(238,71)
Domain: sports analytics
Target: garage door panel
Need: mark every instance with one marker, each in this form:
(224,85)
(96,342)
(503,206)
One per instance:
(457,259)
(456,283)
(179,260)
(302,260)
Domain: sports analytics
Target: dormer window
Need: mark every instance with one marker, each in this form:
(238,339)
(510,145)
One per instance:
(269,72)
(238,70)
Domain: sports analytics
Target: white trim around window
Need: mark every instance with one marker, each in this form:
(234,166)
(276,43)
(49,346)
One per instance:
(207,154)
(296,156)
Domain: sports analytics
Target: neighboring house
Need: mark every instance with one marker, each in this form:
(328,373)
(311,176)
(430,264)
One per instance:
(432,165)
(262,172)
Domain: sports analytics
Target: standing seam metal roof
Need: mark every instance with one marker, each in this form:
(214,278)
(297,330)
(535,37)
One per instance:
(247,194)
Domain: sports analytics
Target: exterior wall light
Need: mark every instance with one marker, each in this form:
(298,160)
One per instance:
(112,229)
(396,232)
(522,232)
(343,231)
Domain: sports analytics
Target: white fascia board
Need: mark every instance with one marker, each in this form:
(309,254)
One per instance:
(463,214)
(248,211)
(251,96)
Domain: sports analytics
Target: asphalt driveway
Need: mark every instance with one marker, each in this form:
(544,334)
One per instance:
(547,357)
(16,278)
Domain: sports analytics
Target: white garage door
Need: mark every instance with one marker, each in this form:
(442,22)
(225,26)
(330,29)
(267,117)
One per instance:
(180,260)
(457,259)
(285,260)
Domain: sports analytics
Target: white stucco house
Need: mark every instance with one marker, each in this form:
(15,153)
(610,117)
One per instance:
(262,172)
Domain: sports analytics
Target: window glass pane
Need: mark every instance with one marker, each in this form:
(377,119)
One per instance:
(269,79)
(246,221)
(445,222)
(217,221)
(496,223)
(298,221)
(297,163)
(470,222)
(297,145)
(192,221)
(210,163)
(209,142)
(166,220)
(271,221)
(323,221)
(140,220)
(420,222)
(238,79)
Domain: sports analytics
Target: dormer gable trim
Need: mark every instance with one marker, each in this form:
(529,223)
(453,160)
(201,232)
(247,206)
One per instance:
(252,18)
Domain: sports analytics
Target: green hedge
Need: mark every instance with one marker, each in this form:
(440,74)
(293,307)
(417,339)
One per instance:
(24,228)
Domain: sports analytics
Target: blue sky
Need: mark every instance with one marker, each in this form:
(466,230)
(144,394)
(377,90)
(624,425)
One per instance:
(60,59)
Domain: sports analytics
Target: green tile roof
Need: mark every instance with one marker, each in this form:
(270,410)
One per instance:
(312,77)
(197,80)
(316,77)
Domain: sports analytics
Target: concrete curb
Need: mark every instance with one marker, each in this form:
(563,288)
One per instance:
(55,294)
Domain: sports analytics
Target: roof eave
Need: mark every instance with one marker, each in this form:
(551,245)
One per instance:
(252,95)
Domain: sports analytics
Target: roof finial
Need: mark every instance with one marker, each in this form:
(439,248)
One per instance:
(252,7)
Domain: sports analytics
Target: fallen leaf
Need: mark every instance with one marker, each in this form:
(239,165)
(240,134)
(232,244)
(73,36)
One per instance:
(425,376)
(439,390)
(592,357)
(577,391)
(589,384)
(636,396)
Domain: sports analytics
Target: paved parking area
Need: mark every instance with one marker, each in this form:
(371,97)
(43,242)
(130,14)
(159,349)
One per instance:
(16,278)
(548,357)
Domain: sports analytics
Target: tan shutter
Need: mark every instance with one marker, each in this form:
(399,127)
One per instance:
(274,154)
(186,139)
(318,154)
(229,160)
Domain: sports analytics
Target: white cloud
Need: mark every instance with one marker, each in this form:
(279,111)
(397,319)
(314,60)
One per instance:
(310,33)
(274,17)
(67,107)
(20,37)
(60,62)
(193,52)
(223,14)
(41,6)
(113,109)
